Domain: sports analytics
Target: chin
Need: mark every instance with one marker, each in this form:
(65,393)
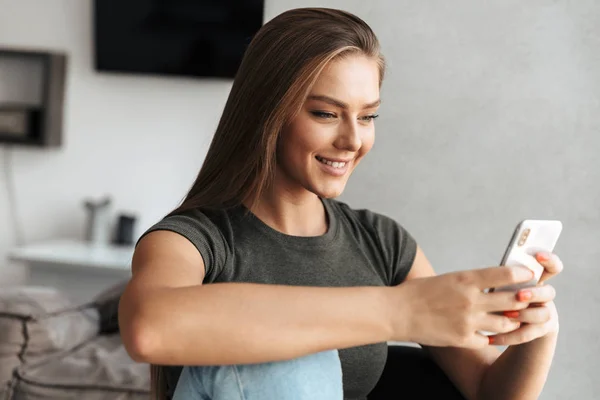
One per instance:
(329,191)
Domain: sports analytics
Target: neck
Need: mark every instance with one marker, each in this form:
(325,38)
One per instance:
(293,214)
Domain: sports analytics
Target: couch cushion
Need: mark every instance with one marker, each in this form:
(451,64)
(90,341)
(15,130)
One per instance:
(37,321)
(98,370)
(10,345)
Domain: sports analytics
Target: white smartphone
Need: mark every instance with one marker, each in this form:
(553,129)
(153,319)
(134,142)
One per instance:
(530,237)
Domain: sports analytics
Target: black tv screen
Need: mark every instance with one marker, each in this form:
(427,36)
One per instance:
(198,38)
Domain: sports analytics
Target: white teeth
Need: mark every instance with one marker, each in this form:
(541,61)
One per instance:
(334,164)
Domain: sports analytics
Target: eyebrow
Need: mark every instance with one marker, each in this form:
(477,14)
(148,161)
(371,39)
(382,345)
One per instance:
(339,103)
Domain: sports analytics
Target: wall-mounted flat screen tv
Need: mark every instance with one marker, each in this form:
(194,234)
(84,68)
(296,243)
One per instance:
(197,38)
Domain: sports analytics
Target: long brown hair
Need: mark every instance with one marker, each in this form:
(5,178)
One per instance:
(279,67)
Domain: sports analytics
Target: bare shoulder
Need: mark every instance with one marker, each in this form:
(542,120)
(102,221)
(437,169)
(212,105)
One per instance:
(166,259)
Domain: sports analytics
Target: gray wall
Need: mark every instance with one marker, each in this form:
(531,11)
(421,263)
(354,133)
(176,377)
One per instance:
(491,114)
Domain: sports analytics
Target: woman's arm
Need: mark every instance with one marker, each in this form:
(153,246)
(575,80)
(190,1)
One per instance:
(519,372)
(167,317)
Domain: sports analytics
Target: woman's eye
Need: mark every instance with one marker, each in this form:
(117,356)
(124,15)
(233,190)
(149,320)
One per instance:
(323,114)
(369,118)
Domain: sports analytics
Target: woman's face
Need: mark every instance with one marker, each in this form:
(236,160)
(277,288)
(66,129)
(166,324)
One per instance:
(335,129)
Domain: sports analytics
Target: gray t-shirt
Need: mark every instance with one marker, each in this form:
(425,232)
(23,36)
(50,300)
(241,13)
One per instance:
(360,248)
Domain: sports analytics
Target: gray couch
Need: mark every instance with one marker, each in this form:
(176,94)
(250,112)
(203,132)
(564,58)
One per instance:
(51,348)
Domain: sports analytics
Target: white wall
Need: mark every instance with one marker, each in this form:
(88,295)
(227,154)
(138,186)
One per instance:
(139,139)
(491,114)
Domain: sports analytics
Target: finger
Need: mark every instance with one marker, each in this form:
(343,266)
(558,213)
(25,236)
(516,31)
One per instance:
(499,323)
(538,294)
(501,276)
(552,265)
(502,301)
(526,333)
(477,341)
(532,315)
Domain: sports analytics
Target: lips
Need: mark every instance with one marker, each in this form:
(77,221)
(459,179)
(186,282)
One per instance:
(335,163)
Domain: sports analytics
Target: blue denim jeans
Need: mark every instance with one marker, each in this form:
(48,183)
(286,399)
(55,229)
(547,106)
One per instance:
(313,377)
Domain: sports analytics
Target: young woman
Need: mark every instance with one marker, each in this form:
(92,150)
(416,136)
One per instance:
(264,287)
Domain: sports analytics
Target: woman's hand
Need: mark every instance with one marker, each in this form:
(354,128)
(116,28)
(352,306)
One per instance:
(452,309)
(541,317)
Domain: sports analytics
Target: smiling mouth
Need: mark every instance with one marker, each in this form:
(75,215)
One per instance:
(334,164)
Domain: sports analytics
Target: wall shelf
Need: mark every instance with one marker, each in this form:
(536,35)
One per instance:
(32,87)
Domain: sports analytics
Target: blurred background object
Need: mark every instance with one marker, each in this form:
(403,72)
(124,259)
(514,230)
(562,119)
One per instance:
(125,230)
(174,37)
(97,230)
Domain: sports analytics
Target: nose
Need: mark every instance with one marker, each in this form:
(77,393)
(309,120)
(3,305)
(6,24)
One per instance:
(348,137)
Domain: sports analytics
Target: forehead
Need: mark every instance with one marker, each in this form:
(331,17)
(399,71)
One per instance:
(352,79)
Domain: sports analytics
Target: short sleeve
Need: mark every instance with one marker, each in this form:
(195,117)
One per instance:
(196,227)
(398,245)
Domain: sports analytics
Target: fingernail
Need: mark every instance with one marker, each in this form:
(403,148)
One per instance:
(541,257)
(524,295)
(511,314)
(491,339)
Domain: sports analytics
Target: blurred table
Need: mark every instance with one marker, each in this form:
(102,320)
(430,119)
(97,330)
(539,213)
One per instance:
(81,269)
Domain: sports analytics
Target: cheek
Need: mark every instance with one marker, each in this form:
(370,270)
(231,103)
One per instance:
(305,140)
(296,145)
(368,140)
